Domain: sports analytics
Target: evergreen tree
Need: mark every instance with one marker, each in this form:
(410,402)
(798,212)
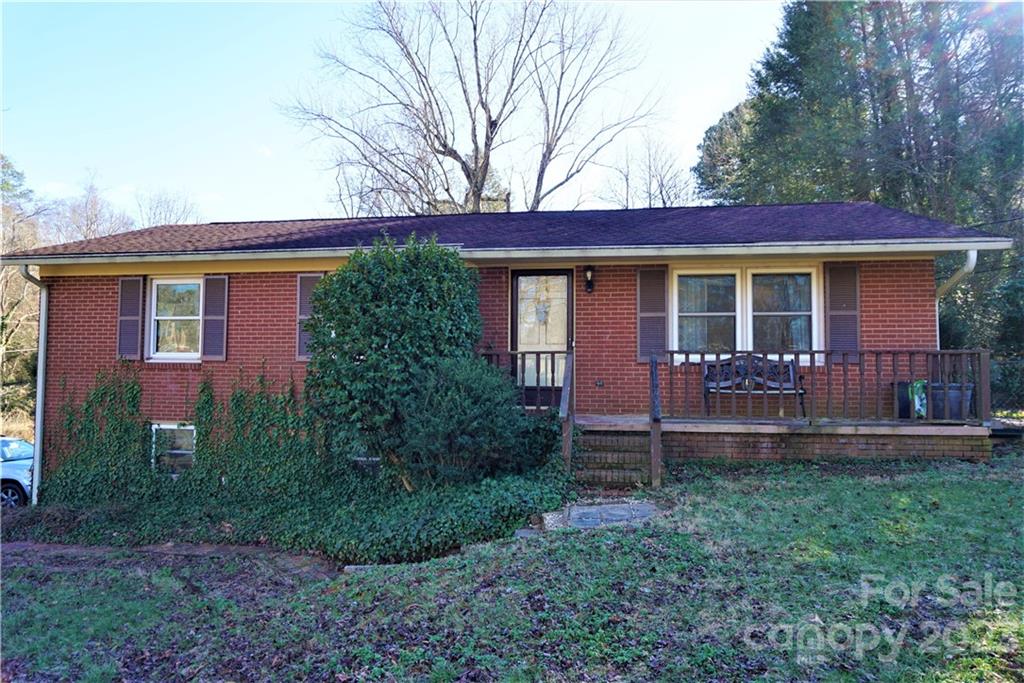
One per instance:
(917,106)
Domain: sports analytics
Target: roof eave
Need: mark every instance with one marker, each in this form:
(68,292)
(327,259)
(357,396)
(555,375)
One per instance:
(629,251)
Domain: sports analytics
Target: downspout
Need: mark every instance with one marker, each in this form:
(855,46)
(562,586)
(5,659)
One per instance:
(966,269)
(962,272)
(37,454)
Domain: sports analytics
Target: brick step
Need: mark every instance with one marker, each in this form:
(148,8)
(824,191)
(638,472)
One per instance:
(611,460)
(616,443)
(619,477)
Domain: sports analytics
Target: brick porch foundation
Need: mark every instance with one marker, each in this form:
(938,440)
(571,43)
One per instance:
(739,442)
(614,450)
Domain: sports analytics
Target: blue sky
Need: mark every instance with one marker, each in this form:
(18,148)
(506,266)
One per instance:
(185,97)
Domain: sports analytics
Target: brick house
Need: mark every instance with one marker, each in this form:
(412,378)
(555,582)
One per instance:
(771,331)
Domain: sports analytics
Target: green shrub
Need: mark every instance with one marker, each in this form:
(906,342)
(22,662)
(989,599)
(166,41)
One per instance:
(541,439)
(376,322)
(460,421)
(107,449)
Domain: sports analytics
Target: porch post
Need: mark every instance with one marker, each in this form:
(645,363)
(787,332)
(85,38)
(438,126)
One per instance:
(565,412)
(655,425)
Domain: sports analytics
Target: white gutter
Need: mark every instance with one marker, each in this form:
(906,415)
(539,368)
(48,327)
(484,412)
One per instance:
(966,269)
(609,252)
(37,452)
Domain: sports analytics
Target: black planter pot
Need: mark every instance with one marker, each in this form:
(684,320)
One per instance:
(957,400)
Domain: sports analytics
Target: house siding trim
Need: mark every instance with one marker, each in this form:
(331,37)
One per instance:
(865,248)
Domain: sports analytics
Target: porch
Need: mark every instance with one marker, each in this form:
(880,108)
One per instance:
(748,405)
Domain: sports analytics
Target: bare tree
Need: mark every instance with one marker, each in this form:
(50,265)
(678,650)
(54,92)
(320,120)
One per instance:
(433,92)
(85,216)
(166,208)
(21,214)
(648,177)
(582,55)
(19,302)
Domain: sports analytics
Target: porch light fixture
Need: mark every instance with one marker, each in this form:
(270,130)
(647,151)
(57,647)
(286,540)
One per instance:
(588,279)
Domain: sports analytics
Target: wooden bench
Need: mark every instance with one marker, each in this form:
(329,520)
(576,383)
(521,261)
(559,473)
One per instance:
(746,374)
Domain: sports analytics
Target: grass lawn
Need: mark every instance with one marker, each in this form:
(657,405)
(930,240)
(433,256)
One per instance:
(751,573)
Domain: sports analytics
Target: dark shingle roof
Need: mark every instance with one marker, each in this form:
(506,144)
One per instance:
(679,227)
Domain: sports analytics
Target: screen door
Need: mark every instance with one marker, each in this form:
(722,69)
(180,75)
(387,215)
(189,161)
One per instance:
(542,310)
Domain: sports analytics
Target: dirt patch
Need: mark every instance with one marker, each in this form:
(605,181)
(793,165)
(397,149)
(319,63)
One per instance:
(59,556)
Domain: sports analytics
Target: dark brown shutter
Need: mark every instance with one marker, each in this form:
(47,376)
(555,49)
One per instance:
(306,283)
(651,312)
(215,317)
(129,318)
(842,308)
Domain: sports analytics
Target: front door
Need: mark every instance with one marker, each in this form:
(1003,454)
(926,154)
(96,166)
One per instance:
(541,332)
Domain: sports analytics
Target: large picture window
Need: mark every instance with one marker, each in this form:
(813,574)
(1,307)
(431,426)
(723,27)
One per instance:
(756,308)
(781,308)
(176,319)
(707,313)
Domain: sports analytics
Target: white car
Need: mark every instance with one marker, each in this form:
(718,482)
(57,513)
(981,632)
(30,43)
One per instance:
(15,472)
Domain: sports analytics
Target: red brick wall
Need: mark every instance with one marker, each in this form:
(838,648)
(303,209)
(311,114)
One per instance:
(261,340)
(82,341)
(897,302)
(606,344)
(494,308)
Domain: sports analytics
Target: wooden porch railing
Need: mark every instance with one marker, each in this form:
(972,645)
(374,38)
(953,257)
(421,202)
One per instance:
(545,382)
(820,386)
(539,375)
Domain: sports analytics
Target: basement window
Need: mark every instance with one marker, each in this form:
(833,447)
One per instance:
(173,447)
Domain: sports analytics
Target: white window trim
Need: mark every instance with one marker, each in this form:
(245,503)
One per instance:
(171,357)
(745,303)
(157,426)
(674,303)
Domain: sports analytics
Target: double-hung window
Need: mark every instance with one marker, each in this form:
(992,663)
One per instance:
(176,314)
(706,313)
(781,310)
